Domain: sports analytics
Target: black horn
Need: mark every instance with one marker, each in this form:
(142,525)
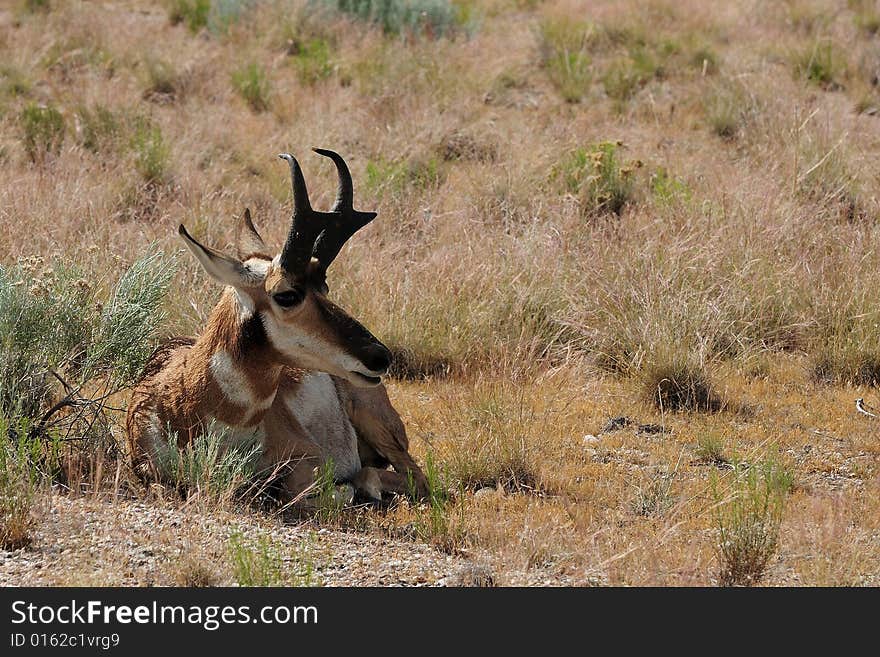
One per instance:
(305,225)
(345,189)
(346,221)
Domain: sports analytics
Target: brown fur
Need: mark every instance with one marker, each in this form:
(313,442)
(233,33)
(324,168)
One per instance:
(178,388)
(382,438)
(179,392)
(246,369)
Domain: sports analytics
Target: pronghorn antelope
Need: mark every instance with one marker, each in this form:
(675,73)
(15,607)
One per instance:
(280,362)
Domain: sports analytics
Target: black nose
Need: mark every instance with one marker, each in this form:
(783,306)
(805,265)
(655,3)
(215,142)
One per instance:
(377,358)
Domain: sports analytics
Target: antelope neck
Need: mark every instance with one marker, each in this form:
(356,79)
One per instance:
(235,354)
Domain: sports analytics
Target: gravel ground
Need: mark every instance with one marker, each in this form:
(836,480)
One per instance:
(86,542)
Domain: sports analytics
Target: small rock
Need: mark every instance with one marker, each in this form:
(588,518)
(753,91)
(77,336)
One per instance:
(485,492)
(590,438)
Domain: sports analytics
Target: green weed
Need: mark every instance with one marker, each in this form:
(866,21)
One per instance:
(430,18)
(252,83)
(748,515)
(193,13)
(43,129)
(151,152)
(261,562)
(564,54)
(597,177)
(211,468)
(312,61)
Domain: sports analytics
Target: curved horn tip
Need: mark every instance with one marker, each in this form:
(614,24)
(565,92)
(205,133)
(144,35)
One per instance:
(287,156)
(333,155)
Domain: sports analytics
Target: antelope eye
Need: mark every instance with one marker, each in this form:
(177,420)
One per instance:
(289,298)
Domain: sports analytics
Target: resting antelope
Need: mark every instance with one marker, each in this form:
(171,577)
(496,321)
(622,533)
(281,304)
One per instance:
(280,362)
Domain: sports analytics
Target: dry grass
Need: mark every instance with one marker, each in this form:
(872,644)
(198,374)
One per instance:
(533,284)
(18,497)
(193,572)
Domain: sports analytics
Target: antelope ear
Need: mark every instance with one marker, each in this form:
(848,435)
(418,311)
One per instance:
(220,266)
(249,242)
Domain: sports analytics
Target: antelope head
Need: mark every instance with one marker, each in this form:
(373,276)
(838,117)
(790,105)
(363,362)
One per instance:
(288,293)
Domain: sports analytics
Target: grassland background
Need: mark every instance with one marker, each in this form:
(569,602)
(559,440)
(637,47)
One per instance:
(664,210)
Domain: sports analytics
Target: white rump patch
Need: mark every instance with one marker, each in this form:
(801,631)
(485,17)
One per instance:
(157,440)
(162,446)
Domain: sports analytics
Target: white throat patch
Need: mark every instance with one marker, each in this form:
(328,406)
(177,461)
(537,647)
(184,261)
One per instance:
(235,386)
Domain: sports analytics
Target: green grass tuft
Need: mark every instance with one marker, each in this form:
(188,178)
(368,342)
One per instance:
(254,563)
(843,362)
(193,13)
(705,59)
(36,6)
(211,469)
(429,18)
(441,520)
(151,152)
(826,177)
(564,55)
(748,515)
(678,385)
(727,107)
(312,61)
(629,73)
(261,562)
(710,450)
(163,82)
(395,177)
(597,177)
(13,82)
(329,503)
(43,129)
(20,481)
(654,497)
(500,427)
(820,64)
(252,83)
(667,189)
(99,128)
